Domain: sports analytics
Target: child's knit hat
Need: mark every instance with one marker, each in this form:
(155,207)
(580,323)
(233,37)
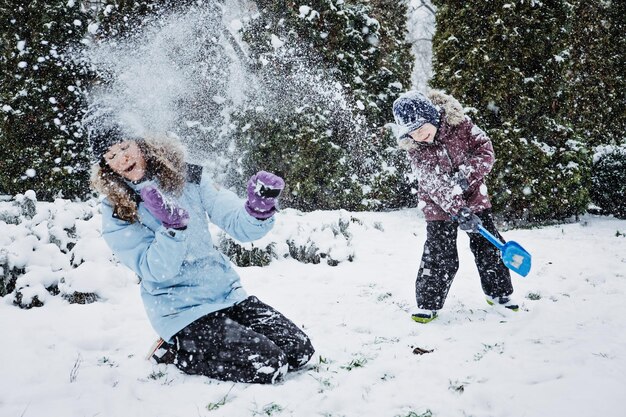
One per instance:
(103,131)
(411,111)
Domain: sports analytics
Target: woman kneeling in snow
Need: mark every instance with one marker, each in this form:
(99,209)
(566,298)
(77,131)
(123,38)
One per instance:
(451,157)
(155,221)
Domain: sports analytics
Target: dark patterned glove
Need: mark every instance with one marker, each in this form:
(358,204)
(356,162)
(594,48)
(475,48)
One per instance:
(467,220)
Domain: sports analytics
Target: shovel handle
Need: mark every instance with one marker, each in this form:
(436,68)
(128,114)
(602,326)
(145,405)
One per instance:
(491,238)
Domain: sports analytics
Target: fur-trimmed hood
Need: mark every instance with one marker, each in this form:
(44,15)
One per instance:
(451,110)
(451,107)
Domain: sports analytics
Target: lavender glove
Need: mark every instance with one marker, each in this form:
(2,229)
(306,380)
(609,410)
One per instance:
(263,191)
(168,212)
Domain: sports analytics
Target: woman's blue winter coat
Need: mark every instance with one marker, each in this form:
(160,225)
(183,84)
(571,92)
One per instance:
(183,276)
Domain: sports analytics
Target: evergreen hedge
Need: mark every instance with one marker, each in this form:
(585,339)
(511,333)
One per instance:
(328,74)
(608,189)
(507,61)
(42,143)
(596,78)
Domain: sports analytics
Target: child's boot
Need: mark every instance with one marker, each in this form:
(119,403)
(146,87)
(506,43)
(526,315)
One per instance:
(162,352)
(503,301)
(422,315)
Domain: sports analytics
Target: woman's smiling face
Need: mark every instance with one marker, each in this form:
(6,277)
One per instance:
(126,159)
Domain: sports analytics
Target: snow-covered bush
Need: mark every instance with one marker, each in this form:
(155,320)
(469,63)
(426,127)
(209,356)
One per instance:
(246,254)
(307,238)
(608,189)
(50,249)
(327,241)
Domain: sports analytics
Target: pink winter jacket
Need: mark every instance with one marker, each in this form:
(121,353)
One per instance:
(460,148)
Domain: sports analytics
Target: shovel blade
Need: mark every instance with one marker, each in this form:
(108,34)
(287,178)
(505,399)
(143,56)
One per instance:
(516,258)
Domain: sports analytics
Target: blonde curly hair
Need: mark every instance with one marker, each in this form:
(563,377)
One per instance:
(165,161)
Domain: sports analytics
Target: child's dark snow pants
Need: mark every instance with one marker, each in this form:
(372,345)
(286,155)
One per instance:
(440,262)
(248,342)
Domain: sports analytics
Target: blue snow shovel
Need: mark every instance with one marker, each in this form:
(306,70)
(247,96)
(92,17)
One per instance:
(514,256)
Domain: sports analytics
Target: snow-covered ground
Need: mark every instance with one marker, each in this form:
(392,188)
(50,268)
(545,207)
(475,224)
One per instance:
(562,354)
